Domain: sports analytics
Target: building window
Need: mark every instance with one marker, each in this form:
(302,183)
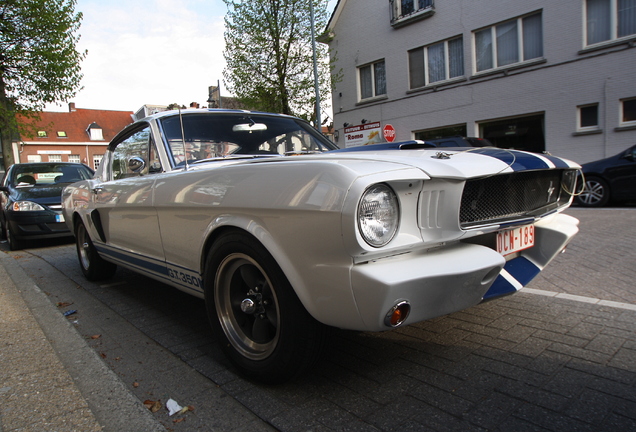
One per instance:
(521,133)
(628,112)
(74,158)
(97,159)
(587,117)
(95,132)
(509,42)
(34,158)
(372,78)
(609,19)
(437,62)
(42,134)
(406,8)
(61,134)
(55,158)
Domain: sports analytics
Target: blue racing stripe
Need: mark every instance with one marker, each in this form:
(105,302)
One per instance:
(519,268)
(557,161)
(500,287)
(522,269)
(150,265)
(518,161)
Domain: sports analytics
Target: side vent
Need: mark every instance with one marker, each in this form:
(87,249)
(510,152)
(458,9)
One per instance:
(430,205)
(97,221)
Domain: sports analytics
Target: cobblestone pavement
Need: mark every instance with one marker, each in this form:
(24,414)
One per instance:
(524,362)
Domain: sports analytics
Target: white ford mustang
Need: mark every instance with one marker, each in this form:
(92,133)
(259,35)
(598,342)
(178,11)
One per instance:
(283,235)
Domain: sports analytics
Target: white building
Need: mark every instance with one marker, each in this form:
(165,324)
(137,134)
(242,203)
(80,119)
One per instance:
(540,75)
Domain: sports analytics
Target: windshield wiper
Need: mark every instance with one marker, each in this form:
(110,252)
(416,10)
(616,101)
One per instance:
(234,157)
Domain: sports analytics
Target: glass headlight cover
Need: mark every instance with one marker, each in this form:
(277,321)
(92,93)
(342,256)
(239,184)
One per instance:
(378,215)
(26,206)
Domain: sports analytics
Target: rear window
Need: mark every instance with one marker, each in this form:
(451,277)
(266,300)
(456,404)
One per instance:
(40,174)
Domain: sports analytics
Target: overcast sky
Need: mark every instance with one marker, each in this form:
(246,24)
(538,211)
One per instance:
(150,52)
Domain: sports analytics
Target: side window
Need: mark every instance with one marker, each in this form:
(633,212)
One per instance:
(135,156)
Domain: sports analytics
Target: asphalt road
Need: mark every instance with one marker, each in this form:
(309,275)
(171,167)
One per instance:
(560,356)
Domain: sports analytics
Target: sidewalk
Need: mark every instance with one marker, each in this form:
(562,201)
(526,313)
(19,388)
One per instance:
(50,379)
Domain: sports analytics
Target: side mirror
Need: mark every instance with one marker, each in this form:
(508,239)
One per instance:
(631,154)
(136,164)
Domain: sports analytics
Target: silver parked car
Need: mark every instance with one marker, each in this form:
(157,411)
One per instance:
(283,235)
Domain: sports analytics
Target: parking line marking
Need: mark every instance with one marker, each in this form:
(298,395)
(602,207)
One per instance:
(581,299)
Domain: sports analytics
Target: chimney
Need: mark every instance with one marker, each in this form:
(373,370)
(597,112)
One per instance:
(71,107)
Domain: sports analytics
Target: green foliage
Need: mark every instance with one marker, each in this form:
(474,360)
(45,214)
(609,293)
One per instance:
(269,55)
(39,62)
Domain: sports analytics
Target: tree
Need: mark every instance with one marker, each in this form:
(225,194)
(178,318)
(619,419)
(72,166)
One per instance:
(269,55)
(39,62)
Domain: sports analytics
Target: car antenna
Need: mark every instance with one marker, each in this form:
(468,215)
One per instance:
(185,154)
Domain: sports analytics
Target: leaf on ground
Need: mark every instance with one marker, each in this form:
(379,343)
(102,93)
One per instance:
(153,406)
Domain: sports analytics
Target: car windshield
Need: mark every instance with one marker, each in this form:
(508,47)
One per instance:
(209,136)
(41,174)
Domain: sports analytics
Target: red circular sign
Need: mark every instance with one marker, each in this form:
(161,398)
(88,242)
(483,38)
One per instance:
(389,133)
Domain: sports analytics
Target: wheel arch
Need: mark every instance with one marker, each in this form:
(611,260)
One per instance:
(260,234)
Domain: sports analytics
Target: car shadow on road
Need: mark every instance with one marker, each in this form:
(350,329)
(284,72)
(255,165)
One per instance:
(522,362)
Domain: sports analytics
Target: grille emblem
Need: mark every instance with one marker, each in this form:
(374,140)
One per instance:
(551,190)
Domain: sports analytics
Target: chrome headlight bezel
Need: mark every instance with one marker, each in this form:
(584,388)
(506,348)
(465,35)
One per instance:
(378,215)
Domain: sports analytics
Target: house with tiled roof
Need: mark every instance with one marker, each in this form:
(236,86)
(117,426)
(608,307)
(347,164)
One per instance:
(79,135)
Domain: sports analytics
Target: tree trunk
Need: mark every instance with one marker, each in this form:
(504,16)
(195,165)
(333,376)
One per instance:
(7,126)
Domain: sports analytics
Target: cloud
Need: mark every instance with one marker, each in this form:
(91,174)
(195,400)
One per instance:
(151,51)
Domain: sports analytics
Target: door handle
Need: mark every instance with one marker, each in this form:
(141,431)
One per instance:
(97,190)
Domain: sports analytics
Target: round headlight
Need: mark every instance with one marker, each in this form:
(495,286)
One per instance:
(378,215)
(26,206)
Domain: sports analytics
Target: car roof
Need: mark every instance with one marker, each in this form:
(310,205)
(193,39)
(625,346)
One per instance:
(211,111)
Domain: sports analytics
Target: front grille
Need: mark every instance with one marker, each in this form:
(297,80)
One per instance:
(504,197)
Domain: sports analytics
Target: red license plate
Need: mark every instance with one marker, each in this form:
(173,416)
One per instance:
(515,240)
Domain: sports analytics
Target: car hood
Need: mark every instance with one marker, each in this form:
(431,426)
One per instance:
(600,165)
(457,163)
(49,194)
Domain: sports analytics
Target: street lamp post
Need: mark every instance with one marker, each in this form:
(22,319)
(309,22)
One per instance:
(318,123)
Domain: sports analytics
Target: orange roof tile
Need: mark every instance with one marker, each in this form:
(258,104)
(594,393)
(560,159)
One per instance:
(76,122)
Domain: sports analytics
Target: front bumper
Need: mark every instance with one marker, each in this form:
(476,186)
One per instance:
(37,225)
(451,278)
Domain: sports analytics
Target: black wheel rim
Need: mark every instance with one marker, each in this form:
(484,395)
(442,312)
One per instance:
(247,306)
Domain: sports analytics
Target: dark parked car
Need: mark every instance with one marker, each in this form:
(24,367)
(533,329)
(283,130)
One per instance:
(609,180)
(31,196)
(458,141)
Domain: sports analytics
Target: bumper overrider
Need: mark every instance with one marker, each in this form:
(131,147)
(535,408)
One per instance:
(428,284)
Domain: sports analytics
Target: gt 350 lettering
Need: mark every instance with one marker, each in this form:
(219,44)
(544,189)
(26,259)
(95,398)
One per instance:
(180,276)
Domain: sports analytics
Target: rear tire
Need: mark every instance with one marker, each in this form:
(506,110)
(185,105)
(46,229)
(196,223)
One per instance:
(262,326)
(93,266)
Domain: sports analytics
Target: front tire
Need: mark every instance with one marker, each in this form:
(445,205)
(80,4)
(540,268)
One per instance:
(595,194)
(93,266)
(14,244)
(261,324)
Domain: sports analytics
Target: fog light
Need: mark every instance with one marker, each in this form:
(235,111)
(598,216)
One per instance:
(398,314)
